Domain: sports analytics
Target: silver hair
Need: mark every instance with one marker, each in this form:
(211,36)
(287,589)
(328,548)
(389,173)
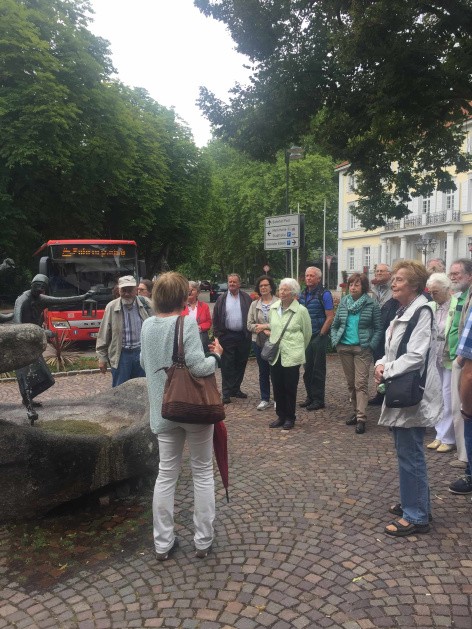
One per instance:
(194,285)
(235,275)
(292,284)
(315,268)
(438,279)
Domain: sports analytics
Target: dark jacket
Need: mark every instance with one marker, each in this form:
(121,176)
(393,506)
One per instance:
(387,314)
(369,324)
(219,315)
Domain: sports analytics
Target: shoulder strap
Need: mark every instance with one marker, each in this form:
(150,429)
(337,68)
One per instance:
(178,355)
(285,327)
(410,327)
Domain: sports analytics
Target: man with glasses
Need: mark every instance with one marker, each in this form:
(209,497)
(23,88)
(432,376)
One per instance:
(381,291)
(461,277)
(119,337)
(382,294)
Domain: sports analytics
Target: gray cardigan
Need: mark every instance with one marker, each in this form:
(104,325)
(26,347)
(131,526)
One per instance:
(157,343)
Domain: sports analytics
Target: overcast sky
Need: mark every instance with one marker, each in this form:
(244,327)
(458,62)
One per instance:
(170,48)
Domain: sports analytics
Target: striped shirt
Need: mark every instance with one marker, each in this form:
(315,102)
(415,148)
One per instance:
(132,323)
(465,344)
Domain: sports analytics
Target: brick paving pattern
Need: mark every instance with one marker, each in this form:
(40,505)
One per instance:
(301,543)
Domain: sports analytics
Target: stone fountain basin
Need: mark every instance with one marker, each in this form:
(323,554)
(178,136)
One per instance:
(75,448)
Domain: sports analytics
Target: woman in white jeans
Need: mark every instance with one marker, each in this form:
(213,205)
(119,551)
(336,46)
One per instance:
(169,297)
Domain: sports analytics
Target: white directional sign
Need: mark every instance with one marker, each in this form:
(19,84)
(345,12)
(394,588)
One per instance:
(282,232)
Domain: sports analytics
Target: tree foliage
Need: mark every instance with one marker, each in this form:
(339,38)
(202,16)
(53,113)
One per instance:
(82,155)
(382,84)
(244,191)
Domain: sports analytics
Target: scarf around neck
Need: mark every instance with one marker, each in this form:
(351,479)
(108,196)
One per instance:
(353,307)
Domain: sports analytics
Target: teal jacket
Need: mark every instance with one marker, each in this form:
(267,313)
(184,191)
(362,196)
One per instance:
(370,325)
(297,335)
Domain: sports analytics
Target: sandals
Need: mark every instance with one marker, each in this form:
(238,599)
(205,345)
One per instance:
(402,530)
(397,510)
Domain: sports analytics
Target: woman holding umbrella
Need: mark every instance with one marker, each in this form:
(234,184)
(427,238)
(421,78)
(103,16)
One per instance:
(169,297)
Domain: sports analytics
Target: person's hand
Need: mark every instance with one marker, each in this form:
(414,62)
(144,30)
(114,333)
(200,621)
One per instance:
(267,332)
(215,347)
(102,366)
(378,374)
(260,327)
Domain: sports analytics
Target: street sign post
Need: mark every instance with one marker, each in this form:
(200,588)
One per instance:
(284,232)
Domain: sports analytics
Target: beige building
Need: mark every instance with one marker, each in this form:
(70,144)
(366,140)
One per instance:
(443,221)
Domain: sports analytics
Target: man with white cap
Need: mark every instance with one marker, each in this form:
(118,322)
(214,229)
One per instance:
(119,337)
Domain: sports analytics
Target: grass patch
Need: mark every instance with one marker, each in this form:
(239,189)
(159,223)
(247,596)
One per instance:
(77,364)
(72,427)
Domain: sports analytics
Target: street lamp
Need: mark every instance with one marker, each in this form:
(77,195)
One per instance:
(425,246)
(294,153)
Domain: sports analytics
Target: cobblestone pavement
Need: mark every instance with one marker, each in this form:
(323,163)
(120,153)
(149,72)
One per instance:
(301,543)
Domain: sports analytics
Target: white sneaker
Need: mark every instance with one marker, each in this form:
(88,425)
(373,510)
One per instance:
(263,405)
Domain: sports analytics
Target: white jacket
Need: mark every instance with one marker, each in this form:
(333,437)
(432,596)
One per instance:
(429,411)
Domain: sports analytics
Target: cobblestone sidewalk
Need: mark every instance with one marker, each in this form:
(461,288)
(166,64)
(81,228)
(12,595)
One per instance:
(301,543)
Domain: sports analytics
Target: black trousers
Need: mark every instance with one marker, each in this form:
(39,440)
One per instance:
(233,365)
(284,386)
(315,368)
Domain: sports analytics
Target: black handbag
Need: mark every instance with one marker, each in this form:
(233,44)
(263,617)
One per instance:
(407,389)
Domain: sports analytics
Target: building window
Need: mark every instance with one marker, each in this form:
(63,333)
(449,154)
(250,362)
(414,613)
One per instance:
(426,205)
(351,183)
(366,257)
(352,221)
(449,199)
(350,260)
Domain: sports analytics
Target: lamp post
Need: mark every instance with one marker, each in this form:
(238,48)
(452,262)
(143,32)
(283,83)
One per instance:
(292,154)
(425,246)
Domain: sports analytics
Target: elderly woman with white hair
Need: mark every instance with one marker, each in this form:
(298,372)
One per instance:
(444,306)
(291,325)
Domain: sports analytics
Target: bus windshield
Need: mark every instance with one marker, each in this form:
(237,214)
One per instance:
(74,270)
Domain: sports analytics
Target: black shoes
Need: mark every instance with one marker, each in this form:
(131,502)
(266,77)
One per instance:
(240,395)
(288,424)
(360,428)
(461,486)
(306,403)
(226,400)
(278,423)
(352,421)
(377,400)
(165,556)
(315,406)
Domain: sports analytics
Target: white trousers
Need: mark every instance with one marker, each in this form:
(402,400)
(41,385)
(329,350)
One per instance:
(171,445)
(456,413)
(445,427)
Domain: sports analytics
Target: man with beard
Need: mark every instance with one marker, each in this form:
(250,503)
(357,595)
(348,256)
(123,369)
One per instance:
(460,274)
(119,337)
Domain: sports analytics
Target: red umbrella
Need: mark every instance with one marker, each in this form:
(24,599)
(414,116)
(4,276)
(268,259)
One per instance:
(220,446)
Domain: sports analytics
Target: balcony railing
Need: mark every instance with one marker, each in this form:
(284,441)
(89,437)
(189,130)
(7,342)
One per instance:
(418,220)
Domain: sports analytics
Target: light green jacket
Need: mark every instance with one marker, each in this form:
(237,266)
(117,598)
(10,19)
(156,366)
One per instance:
(446,358)
(297,335)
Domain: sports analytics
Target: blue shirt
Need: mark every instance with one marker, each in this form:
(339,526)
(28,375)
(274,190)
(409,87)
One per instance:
(465,344)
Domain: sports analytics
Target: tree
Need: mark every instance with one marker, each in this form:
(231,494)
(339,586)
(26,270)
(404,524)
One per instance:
(244,191)
(382,84)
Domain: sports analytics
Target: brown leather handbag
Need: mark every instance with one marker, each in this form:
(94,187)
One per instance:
(188,399)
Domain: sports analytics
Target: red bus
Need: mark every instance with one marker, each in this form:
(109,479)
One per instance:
(76,266)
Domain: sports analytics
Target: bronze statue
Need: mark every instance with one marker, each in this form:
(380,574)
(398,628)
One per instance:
(36,377)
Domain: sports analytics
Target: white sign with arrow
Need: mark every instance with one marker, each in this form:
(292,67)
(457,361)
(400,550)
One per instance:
(282,232)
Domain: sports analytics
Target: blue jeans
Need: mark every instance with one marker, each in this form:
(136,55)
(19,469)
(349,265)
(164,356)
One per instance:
(128,367)
(264,373)
(468,445)
(414,488)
